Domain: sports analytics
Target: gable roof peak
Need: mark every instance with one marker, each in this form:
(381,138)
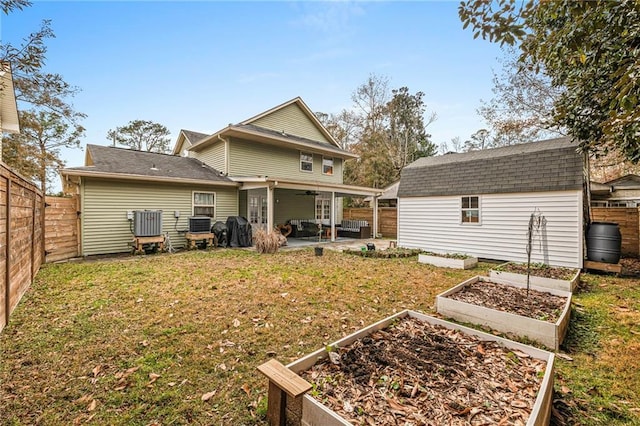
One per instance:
(304,108)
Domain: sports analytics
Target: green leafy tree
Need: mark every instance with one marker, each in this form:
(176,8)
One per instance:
(142,135)
(386,128)
(41,96)
(406,136)
(588,48)
(479,140)
(35,151)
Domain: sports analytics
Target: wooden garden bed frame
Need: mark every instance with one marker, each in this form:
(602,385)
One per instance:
(304,410)
(550,334)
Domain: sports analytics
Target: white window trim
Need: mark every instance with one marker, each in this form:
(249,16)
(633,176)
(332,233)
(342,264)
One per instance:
(306,153)
(322,199)
(460,210)
(333,167)
(193,203)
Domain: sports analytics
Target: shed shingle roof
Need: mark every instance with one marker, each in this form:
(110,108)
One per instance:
(551,165)
(107,159)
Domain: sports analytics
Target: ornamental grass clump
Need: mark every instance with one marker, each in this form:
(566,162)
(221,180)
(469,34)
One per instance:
(268,242)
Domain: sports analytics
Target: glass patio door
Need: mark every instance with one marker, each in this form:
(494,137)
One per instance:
(258,210)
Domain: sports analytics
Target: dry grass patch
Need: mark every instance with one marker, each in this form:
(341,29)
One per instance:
(175,339)
(145,340)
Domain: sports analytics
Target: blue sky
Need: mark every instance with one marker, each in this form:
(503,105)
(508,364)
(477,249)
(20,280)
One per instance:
(202,65)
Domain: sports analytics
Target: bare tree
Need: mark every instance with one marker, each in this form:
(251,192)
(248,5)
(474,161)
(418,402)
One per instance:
(522,107)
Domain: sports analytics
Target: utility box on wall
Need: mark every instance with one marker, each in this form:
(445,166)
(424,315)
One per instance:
(147,223)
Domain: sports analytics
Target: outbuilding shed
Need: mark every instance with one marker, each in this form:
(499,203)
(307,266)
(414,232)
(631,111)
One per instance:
(480,202)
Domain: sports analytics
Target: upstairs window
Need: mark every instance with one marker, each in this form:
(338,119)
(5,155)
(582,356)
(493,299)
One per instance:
(306,162)
(470,210)
(327,166)
(204,204)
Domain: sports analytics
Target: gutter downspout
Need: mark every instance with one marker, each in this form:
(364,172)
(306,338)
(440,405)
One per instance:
(226,155)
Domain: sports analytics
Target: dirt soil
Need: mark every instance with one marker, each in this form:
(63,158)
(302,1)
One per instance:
(506,298)
(630,266)
(538,270)
(415,373)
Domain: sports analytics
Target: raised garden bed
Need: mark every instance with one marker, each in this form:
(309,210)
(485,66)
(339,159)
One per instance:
(458,261)
(414,369)
(542,315)
(565,279)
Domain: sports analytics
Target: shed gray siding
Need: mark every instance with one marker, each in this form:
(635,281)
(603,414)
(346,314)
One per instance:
(434,224)
(105,228)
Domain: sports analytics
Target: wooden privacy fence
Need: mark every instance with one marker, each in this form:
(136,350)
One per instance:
(628,220)
(21,238)
(387,218)
(61,228)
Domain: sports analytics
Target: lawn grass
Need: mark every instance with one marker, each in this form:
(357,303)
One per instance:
(144,340)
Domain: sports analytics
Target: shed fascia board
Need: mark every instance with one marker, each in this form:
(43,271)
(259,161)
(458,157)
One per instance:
(233,131)
(164,179)
(307,111)
(9,114)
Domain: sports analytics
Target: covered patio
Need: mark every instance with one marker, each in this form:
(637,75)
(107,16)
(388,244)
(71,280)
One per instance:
(268,202)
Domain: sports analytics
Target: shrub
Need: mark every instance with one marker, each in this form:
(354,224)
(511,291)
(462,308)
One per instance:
(268,242)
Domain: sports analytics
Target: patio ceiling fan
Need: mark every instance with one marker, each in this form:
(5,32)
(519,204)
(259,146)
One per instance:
(309,192)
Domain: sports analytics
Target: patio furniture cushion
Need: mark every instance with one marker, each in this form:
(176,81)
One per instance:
(353,225)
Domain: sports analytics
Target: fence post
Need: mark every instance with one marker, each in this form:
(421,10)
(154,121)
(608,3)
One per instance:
(33,237)
(7,280)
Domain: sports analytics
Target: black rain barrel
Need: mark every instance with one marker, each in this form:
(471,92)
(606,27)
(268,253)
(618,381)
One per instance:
(604,242)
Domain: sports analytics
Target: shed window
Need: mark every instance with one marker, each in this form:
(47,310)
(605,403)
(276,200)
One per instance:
(470,210)
(327,166)
(306,162)
(204,204)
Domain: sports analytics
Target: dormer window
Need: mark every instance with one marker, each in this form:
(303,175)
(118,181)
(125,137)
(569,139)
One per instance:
(306,162)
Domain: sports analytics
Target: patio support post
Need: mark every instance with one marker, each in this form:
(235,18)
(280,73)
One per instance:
(270,224)
(333,216)
(375,216)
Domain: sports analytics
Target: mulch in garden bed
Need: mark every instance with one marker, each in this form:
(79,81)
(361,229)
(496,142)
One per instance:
(539,270)
(392,253)
(416,373)
(515,300)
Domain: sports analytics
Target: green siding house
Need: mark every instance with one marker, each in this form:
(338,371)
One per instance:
(277,166)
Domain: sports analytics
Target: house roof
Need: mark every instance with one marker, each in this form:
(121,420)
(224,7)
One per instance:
(272,137)
(187,137)
(629,181)
(389,192)
(193,137)
(108,161)
(249,130)
(551,165)
(8,107)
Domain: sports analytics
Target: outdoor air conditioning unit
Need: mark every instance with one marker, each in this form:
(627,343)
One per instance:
(199,224)
(147,223)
